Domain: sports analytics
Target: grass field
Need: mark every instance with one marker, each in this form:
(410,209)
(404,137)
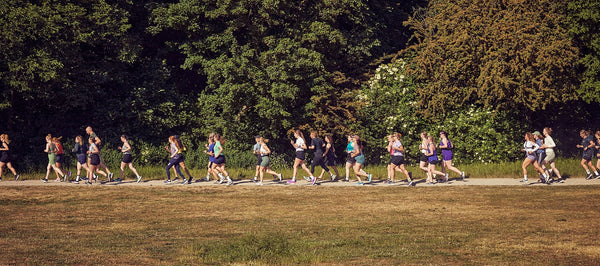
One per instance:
(305,225)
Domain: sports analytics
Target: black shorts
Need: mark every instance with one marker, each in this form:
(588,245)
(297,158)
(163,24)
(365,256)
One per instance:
(350,159)
(434,162)
(396,160)
(127,158)
(60,158)
(81,158)
(329,161)
(4,157)
(258,160)
(424,158)
(219,160)
(301,155)
(94,159)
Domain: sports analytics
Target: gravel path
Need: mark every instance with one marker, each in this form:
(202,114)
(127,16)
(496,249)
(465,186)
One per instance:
(270,182)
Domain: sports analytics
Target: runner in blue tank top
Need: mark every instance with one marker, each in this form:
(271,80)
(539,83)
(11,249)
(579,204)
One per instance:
(446,147)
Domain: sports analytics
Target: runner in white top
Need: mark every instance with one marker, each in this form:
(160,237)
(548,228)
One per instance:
(550,155)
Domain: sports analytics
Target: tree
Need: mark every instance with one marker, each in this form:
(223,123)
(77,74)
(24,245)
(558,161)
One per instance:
(506,55)
(583,21)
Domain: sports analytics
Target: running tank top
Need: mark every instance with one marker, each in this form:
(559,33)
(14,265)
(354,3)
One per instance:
(396,144)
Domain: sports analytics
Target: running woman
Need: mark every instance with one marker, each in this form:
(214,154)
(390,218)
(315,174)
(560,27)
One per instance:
(597,147)
(317,145)
(51,150)
(256,151)
(424,158)
(264,152)
(173,159)
(446,146)
(300,146)
(397,159)
(98,143)
(219,162)
(182,161)
(587,144)
(5,157)
(550,155)
(94,158)
(540,155)
(359,157)
(60,157)
(433,160)
(80,150)
(530,148)
(210,150)
(350,161)
(329,158)
(127,158)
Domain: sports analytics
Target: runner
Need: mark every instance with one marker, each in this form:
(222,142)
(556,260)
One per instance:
(424,158)
(433,160)
(446,146)
(550,155)
(256,151)
(182,161)
(264,152)
(93,160)
(219,162)
(300,146)
(5,157)
(330,159)
(98,143)
(317,145)
(210,150)
(60,158)
(173,159)
(80,150)
(51,150)
(530,148)
(127,159)
(350,161)
(587,144)
(397,159)
(359,157)
(540,156)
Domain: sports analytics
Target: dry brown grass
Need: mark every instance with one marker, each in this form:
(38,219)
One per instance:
(267,225)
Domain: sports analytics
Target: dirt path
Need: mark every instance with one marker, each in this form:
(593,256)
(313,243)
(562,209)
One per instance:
(376,183)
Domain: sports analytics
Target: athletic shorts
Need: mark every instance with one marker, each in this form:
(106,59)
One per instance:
(532,156)
(219,160)
(434,162)
(94,159)
(424,158)
(550,156)
(447,155)
(329,161)
(350,159)
(127,158)
(360,159)
(397,160)
(265,161)
(60,158)
(81,158)
(540,157)
(258,160)
(4,157)
(301,155)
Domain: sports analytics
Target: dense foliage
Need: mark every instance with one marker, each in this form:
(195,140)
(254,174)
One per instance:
(485,71)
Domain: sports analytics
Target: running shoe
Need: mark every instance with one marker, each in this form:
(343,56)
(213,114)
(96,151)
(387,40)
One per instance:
(184,181)
(561,180)
(221,178)
(314,180)
(333,178)
(168,181)
(446,177)
(410,183)
(16,177)
(589,176)
(57,180)
(229,182)
(524,181)
(110,177)
(118,180)
(370,178)
(255,179)
(75,182)
(280,178)
(259,184)
(307,178)
(44,180)
(207,178)
(64,178)
(190,180)
(292,181)
(359,183)
(596,176)
(139,178)
(88,183)
(390,182)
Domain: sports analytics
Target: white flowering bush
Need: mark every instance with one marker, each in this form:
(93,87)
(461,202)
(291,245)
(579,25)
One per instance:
(390,105)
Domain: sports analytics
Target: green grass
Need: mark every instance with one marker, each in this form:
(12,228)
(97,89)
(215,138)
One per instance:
(299,225)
